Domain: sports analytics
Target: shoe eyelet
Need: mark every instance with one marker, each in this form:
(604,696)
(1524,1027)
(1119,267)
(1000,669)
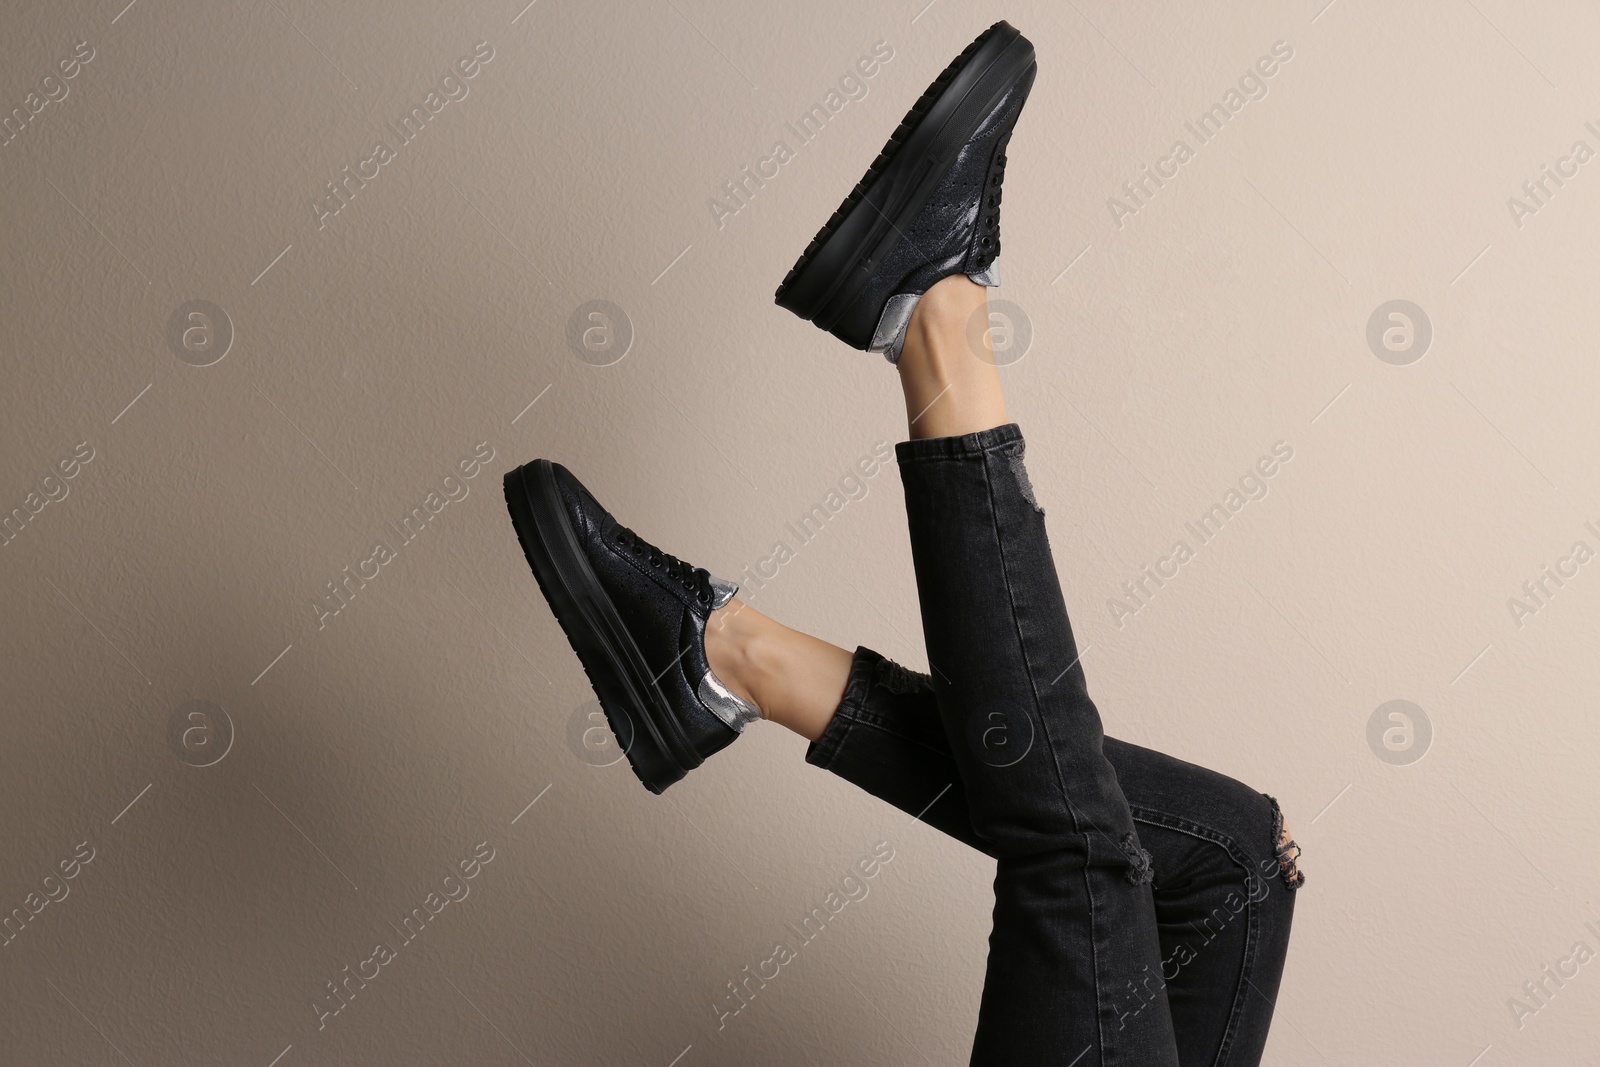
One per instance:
(984,243)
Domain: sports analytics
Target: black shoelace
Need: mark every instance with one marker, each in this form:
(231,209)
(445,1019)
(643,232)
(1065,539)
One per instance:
(990,241)
(694,579)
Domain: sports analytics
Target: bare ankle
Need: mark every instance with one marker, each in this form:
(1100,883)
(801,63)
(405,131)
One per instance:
(937,332)
(733,640)
(946,370)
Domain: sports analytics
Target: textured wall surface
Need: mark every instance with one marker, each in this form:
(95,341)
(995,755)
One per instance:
(250,789)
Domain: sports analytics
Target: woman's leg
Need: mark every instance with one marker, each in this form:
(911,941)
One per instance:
(1221,895)
(1075,930)
(949,389)
(796,680)
(1074,922)
(1223,862)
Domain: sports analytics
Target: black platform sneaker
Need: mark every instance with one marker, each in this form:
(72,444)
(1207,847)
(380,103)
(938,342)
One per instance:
(636,617)
(927,208)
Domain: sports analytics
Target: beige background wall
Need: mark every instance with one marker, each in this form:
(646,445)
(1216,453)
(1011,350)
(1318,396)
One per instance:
(373,753)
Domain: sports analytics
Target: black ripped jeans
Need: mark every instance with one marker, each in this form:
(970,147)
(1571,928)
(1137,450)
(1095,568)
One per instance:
(1142,904)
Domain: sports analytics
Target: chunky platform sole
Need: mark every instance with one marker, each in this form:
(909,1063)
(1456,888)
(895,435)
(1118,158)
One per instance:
(638,712)
(840,260)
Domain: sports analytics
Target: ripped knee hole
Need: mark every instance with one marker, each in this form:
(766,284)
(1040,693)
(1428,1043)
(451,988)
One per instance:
(1288,853)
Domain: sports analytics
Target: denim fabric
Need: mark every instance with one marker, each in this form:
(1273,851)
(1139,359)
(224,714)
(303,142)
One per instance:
(1141,912)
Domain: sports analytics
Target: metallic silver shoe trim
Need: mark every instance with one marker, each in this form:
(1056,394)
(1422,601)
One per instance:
(725,704)
(989,276)
(890,336)
(722,591)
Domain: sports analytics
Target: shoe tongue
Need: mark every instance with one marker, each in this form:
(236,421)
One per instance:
(682,570)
